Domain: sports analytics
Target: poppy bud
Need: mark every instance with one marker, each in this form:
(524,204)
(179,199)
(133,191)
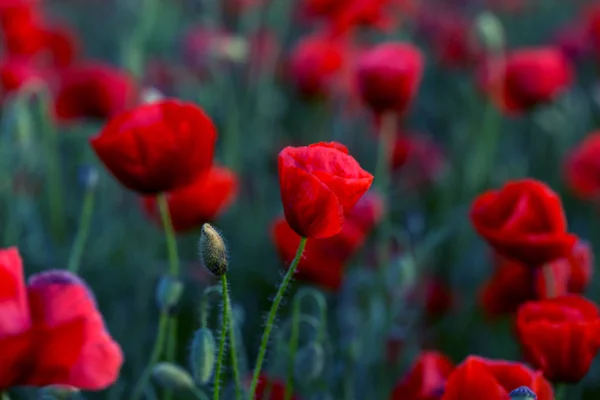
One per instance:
(57,392)
(522,393)
(490,31)
(168,292)
(202,356)
(151,95)
(213,251)
(173,377)
(309,362)
(88,177)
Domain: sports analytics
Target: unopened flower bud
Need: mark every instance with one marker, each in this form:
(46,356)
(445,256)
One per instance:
(523,393)
(309,362)
(202,356)
(168,293)
(172,377)
(490,31)
(88,177)
(151,95)
(57,392)
(213,252)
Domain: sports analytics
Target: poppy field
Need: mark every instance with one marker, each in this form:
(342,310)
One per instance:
(299,199)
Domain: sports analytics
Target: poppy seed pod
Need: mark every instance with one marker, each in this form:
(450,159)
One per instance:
(213,252)
(202,356)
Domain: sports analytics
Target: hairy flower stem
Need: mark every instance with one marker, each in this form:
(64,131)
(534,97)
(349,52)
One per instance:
(227,326)
(163,324)
(272,314)
(167,224)
(85,219)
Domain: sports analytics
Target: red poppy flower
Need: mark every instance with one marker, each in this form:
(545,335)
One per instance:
(16,72)
(493,380)
(21,25)
(62,45)
(319,183)
(157,147)
(271,389)
(93,90)
(514,283)
(561,336)
(324,260)
(314,63)
(418,159)
(426,379)
(202,201)
(389,76)
(201,46)
(524,221)
(449,34)
(573,41)
(528,78)
(582,168)
(51,331)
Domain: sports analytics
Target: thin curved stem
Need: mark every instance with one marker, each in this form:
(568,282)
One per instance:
(167,224)
(272,314)
(85,220)
(225,319)
(154,357)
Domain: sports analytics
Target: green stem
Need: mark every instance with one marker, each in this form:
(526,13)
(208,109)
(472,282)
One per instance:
(272,314)
(85,220)
(167,224)
(232,341)
(225,320)
(55,184)
(163,324)
(560,391)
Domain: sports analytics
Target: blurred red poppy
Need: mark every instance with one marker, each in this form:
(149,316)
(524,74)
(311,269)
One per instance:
(319,183)
(426,378)
(93,90)
(62,45)
(51,331)
(324,260)
(21,26)
(527,78)
(450,37)
(202,201)
(389,76)
(15,72)
(271,389)
(417,159)
(561,336)
(582,168)
(314,63)
(157,147)
(523,221)
(513,283)
(493,380)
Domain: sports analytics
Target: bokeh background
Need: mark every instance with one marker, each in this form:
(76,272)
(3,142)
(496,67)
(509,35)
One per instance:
(242,62)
